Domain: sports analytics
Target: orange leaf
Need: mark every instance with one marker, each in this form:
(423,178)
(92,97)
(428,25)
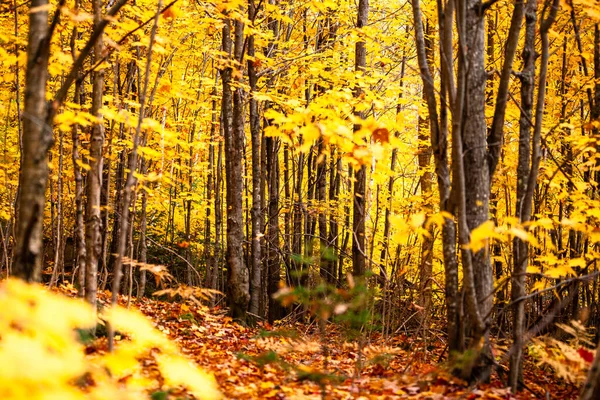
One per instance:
(381,135)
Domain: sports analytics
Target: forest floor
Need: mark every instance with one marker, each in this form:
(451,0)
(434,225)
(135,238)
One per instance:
(263,363)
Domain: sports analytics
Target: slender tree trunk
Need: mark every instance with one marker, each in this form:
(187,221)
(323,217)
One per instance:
(347,226)
(188,210)
(299,207)
(10,257)
(424,158)
(143,257)
(106,186)
(287,215)
(79,230)
(93,217)
(233,126)
(209,247)
(426,262)
(308,219)
(520,248)
(216,257)
(359,212)
(321,193)
(59,246)
(255,133)
(334,193)
(272,236)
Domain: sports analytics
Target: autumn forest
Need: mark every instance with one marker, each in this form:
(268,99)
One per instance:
(309,199)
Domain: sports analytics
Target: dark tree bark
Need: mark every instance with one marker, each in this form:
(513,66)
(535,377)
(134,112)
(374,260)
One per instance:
(37,139)
(335,167)
(473,132)
(93,215)
(238,285)
(299,207)
(143,248)
(255,133)
(522,206)
(272,235)
(426,183)
(79,228)
(217,256)
(209,246)
(321,193)
(360,183)
(59,244)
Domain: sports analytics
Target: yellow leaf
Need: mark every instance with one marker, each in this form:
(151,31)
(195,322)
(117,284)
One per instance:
(533,269)
(139,327)
(577,262)
(83,165)
(559,271)
(179,371)
(417,220)
(539,285)
(481,235)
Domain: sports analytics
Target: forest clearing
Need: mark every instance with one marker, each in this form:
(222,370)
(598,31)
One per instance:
(328,199)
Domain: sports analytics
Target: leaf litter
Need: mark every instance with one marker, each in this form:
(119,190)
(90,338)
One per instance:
(287,362)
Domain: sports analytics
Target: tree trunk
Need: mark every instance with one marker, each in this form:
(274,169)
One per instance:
(79,230)
(218,217)
(209,246)
(93,218)
(255,133)
(59,245)
(143,254)
(321,192)
(272,236)
(334,194)
(299,208)
(360,183)
(520,248)
(238,286)
(426,262)
(424,157)
(37,139)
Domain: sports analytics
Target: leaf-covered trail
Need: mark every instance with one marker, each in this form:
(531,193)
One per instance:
(389,370)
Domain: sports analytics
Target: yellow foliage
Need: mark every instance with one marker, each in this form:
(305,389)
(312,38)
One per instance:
(41,356)
(481,235)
